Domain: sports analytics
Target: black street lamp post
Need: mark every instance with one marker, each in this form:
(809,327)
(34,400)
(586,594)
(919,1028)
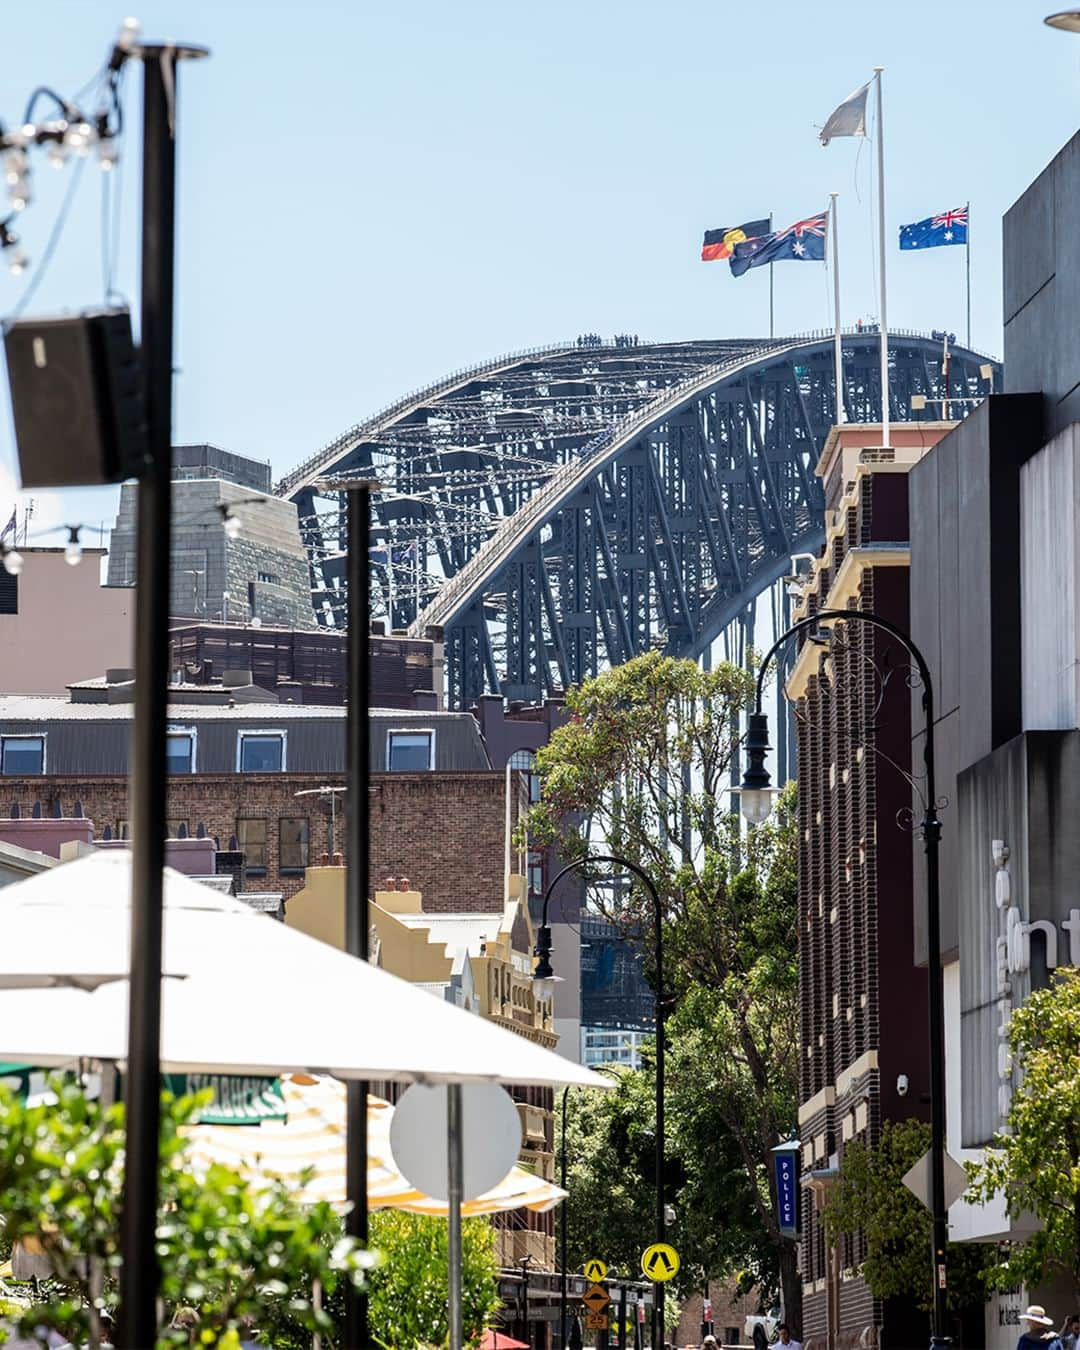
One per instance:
(755,801)
(544,973)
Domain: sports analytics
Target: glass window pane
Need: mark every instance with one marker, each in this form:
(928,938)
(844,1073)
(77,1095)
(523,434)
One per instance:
(293,842)
(260,754)
(410,751)
(178,748)
(23,755)
(251,836)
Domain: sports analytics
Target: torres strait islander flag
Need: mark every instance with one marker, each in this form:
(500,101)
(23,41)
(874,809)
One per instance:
(719,244)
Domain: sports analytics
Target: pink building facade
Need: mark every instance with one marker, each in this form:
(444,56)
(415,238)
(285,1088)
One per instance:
(59,624)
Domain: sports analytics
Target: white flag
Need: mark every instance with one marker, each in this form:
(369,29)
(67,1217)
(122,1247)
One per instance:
(849,119)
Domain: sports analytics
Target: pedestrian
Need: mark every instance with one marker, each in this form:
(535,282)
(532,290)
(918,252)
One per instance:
(1039,1333)
(785,1337)
(1070,1333)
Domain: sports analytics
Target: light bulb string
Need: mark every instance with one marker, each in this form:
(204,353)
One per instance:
(70,131)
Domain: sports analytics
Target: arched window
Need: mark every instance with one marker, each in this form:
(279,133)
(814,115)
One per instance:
(524,761)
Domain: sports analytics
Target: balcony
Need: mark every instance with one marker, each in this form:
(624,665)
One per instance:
(533,1124)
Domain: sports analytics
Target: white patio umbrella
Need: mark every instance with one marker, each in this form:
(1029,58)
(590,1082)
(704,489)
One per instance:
(255,997)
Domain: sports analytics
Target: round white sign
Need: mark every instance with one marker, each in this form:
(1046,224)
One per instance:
(490,1138)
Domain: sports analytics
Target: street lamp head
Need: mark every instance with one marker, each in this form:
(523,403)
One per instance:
(544,977)
(755,793)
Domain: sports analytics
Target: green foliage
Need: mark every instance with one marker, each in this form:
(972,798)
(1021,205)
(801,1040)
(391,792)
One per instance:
(869,1195)
(643,765)
(1036,1164)
(229,1251)
(408,1290)
(610,1147)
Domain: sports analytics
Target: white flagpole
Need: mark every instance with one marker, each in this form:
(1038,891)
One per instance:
(881,250)
(967,251)
(772,328)
(837,349)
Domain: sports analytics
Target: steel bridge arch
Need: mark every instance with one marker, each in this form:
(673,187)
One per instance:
(576,506)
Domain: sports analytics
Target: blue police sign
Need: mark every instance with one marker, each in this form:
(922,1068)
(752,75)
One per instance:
(786,1159)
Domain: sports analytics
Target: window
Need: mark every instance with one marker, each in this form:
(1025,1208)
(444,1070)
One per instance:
(260,751)
(22,755)
(524,761)
(180,752)
(410,751)
(270,578)
(251,836)
(293,841)
(9,593)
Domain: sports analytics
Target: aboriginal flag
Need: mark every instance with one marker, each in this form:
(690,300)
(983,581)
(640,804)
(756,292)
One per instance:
(719,244)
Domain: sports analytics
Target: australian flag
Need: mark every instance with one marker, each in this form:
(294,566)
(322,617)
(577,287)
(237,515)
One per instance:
(951,227)
(803,242)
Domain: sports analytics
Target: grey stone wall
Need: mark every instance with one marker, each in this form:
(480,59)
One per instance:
(262,574)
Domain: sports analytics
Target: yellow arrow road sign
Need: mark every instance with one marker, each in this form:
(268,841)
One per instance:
(660,1262)
(595,1271)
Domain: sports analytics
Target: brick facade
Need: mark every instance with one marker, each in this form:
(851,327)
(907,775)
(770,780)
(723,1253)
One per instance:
(862,1000)
(445,831)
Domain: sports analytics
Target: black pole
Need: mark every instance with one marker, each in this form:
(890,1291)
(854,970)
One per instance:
(139,1269)
(661,1036)
(562,1230)
(931,827)
(622,1316)
(543,967)
(357,851)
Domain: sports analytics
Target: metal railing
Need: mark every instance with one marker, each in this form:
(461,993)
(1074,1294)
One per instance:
(417,396)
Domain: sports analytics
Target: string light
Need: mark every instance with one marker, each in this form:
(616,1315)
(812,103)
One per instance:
(73,134)
(73,549)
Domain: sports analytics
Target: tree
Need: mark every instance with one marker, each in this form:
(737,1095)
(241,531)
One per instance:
(228,1250)
(1035,1163)
(407,1290)
(610,1147)
(870,1197)
(642,766)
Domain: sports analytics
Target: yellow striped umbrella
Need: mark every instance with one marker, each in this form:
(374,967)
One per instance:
(312,1139)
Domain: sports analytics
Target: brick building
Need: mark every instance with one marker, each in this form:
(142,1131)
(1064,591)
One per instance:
(863,999)
(239,758)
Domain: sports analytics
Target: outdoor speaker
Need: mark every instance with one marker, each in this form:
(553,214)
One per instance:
(77,399)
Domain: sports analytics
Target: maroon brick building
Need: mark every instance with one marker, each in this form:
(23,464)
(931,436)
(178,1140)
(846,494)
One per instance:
(863,999)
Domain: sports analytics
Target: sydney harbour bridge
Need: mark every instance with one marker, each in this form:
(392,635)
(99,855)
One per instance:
(560,510)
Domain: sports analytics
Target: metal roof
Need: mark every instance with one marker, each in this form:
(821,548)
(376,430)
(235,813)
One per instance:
(57,708)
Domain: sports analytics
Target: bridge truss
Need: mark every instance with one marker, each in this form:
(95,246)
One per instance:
(565,509)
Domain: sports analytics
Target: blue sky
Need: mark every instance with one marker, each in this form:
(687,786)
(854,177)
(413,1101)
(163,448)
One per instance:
(373,194)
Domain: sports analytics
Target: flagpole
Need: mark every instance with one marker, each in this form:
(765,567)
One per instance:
(881,252)
(967,268)
(837,348)
(771,327)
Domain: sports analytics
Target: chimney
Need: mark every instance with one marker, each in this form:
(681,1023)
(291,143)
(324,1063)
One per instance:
(399,898)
